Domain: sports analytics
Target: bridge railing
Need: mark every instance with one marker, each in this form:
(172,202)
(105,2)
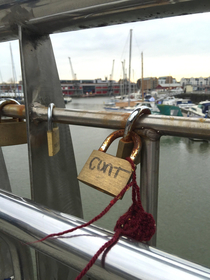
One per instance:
(53,181)
(26,221)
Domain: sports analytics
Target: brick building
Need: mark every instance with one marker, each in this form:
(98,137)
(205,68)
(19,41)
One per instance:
(149,83)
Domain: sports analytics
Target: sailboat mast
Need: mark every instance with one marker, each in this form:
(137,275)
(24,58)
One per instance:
(130,50)
(142,77)
(13,69)
(134,88)
(122,82)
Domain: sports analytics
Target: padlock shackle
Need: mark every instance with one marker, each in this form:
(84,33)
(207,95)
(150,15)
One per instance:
(119,133)
(49,116)
(137,144)
(137,112)
(5,102)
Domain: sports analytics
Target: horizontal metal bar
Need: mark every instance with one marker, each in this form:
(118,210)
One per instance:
(164,125)
(46,17)
(27,221)
(14,110)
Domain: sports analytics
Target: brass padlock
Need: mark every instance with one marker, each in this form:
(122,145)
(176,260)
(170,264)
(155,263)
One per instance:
(53,138)
(108,173)
(12,131)
(125,144)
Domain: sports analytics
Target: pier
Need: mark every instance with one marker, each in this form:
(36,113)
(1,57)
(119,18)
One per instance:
(195,97)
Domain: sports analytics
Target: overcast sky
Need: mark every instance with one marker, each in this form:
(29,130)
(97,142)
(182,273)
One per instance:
(178,47)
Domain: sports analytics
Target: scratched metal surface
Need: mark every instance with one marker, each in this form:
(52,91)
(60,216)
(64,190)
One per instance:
(46,17)
(53,179)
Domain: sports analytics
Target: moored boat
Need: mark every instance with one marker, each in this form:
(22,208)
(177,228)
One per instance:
(169,110)
(151,105)
(202,110)
(67,99)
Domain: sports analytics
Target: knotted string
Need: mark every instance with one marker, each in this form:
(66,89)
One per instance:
(135,223)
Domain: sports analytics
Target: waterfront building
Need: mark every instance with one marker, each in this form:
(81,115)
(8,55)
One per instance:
(149,83)
(10,89)
(201,81)
(166,80)
(192,81)
(169,87)
(96,87)
(197,83)
(188,88)
(81,87)
(161,83)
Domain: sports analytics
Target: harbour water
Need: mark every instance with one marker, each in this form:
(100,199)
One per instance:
(184,192)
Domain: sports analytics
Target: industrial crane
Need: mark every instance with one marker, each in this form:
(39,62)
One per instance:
(74,77)
(111,79)
(112,73)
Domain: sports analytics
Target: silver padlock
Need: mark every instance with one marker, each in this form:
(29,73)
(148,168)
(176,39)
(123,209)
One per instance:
(53,138)
(125,144)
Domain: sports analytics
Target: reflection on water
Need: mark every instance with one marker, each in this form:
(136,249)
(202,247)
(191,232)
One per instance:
(191,145)
(166,140)
(184,192)
(203,146)
(184,199)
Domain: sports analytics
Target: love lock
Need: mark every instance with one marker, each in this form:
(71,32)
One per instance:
(12,131)
(108,173)
(53,138)
(125,144)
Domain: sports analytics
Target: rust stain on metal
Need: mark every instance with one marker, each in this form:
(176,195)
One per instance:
(21,110)
(137,145)
(201,120)
(119,133)
(107,142)
(105,120)
(111,116)
(13,108)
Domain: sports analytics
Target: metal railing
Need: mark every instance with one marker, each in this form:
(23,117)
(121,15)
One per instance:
(163,125)
(139,261)
(16,212)
(150,127)
(31,22)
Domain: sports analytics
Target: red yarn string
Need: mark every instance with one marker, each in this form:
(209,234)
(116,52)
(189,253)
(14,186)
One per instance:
(112,202)
(108,244)
(116,237)
(135,223)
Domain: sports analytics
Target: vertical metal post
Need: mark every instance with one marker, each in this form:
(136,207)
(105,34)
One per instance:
(4,182)
(53,179)
(150,174)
